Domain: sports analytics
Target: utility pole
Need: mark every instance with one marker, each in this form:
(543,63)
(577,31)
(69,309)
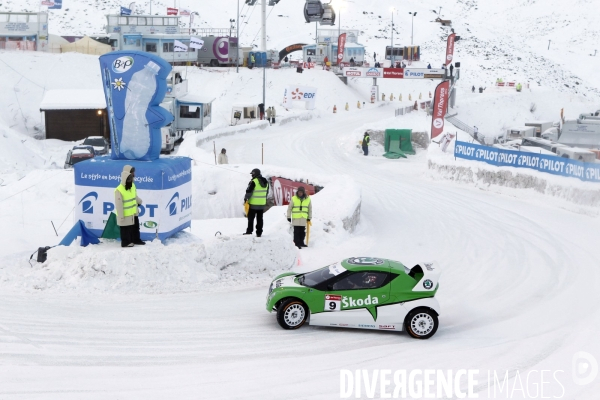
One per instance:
(392,49)
(237,34)
(263,45)
(263,22)
(412,26)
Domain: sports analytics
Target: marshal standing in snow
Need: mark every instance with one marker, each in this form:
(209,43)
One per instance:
(299,213)
(126,207)
(365,143)
(256,196)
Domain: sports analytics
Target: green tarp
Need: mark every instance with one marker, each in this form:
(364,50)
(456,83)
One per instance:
(397,143)
(111,229)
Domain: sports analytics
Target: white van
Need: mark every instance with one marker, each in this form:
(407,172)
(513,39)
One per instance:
(168,139)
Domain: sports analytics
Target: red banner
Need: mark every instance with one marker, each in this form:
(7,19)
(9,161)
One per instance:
(440,105)
(450,49)
(341,46)
(172,11)
(284,189)
(393,73)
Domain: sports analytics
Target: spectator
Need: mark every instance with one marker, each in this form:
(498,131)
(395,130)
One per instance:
(222,159)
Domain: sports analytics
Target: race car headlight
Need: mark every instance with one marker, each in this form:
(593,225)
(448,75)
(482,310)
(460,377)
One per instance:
(271,288)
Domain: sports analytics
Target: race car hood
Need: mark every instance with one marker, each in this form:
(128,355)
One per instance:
(430,279)
(286,281)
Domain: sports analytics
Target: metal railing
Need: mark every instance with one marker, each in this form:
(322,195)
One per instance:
(465,128)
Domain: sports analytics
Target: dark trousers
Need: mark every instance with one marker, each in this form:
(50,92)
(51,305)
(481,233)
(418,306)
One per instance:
(272,120)
(259,221)
(299,235)
(365,150)
(131,233)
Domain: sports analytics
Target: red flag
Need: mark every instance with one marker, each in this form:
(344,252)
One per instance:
(341,45)
(172,11)
(440,105)
(450,49)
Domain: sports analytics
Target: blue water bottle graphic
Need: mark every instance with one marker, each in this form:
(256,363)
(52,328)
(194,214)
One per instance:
(136,141)
(134,86)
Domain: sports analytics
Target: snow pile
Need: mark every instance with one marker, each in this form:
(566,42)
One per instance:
(184,264)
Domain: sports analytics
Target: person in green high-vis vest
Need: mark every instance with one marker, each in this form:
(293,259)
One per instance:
(256,196)
(126,208)
(299,213)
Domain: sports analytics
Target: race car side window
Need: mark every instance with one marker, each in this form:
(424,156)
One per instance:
(362,280)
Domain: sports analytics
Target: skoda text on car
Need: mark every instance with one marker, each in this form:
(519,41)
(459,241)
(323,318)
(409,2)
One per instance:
(360,292)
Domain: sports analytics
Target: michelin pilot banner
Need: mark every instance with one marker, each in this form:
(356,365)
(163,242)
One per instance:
(450,49)
(164,185)
(305,94)
(134,86)
(589,172)
(440,105)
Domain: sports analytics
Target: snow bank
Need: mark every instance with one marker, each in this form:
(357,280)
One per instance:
(184,264)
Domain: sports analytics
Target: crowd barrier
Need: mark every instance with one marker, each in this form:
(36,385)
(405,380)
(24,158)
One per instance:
(589,172)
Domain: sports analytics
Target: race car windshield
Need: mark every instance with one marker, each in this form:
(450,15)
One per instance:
(314,278)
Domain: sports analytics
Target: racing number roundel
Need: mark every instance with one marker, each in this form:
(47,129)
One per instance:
(333,302)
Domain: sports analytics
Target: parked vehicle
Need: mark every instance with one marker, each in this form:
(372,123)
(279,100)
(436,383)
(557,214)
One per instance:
(577,133)
(78,154)
(575,153)
(168,139)
(99,144)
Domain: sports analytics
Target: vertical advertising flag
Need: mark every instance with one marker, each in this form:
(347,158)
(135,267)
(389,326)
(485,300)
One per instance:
(135,84)
(440,105)
(450,49)
(341,46)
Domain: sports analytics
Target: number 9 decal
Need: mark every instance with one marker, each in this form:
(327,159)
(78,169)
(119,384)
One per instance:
(333,302)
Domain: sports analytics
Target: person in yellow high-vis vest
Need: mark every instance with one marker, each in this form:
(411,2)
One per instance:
(256,196)
(126,208)
(299,213)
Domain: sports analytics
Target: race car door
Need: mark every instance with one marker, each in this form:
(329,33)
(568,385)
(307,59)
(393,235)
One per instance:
(351,300)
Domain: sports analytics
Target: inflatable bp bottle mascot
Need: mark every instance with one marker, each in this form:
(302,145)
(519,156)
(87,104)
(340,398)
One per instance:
(134,86)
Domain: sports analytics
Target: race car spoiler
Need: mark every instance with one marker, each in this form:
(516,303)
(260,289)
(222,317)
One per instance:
(431,275)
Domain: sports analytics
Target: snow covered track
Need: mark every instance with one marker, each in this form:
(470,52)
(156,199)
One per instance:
(514,275)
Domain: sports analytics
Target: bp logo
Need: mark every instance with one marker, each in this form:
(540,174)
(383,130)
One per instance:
(122,64)
(87,204)
(150,224)
(427,284)
(438,123)
(172,205)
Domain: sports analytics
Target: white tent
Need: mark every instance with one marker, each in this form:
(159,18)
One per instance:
(87,46)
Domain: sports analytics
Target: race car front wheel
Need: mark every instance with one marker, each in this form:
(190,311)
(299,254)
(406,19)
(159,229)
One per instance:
(421,323)
(291,314)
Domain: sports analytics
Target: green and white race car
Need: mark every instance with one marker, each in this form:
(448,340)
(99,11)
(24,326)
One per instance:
(360,292)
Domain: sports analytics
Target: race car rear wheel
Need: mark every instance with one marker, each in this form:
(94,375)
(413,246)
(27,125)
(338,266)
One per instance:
(421,323)
(292,314)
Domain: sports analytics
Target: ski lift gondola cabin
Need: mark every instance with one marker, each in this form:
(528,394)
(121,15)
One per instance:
(313,11)
(328,15)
